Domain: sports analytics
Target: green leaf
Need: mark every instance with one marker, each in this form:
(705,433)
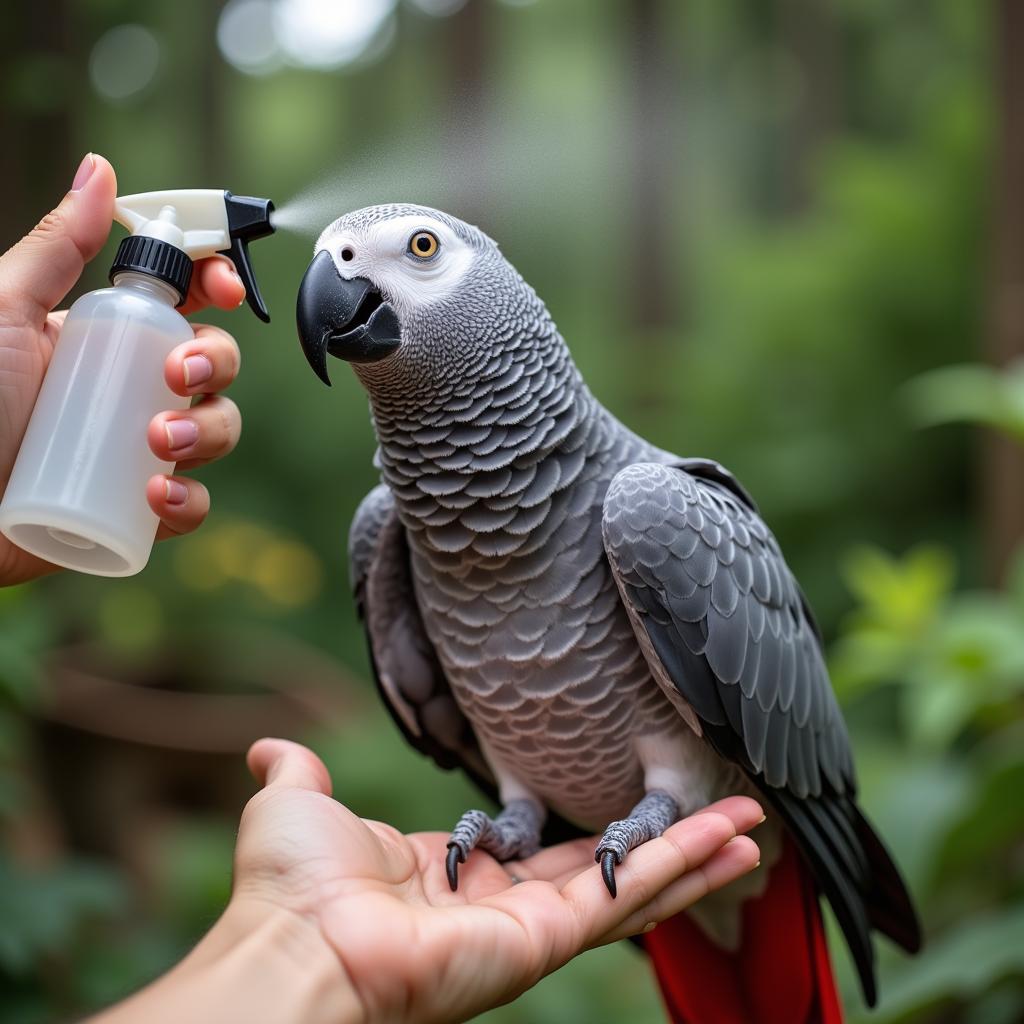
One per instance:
(900,593)
(993,822)
(937,711)
(980,642)
(42,912)
(914,799)
(970,394)
(961,965)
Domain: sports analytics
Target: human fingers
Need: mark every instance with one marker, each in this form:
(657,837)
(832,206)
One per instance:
(282,763)
(644,873)
(195,436)
(54,322)
(214,283)
(738,857)
(560,863)
(180,503)
(37,272)
(206,364)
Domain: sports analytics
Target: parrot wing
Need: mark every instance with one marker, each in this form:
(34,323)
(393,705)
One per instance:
(723,625)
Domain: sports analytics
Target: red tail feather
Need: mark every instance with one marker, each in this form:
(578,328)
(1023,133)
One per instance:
(781,973)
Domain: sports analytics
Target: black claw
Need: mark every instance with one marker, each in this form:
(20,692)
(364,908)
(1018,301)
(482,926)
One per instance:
(608,870)
(451,864)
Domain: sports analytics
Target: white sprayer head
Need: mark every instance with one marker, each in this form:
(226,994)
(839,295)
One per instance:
(194,220)
(172,228)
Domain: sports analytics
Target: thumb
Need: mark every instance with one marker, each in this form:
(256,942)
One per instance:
(275,762)
(37,272)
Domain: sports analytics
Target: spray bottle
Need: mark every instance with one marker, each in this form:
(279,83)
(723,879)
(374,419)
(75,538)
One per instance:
(76,496)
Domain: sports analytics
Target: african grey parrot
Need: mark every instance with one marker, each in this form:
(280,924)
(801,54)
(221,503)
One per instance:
(603,634)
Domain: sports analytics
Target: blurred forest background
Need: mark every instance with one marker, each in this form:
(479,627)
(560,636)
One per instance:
(787,234)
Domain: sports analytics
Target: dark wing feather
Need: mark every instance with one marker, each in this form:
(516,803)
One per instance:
(409,676)
(703,576)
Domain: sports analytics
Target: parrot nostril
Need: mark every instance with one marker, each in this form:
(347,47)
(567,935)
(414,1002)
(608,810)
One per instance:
(348,254)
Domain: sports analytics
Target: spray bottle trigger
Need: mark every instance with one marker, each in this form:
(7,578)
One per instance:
(239,256)
(248,218)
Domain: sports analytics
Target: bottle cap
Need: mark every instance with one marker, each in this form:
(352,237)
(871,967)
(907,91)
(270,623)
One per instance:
(150,256)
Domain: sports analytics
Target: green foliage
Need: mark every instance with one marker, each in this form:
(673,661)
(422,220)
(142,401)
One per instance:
(950,762)
(44,913)
(959,658)
(962,967)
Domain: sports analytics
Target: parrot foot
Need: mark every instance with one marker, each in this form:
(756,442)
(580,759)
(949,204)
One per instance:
(646,821)
(513,834)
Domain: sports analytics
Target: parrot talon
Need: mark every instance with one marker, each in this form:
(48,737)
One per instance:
(513,835)
(451,865)
(607,858)
(647,820)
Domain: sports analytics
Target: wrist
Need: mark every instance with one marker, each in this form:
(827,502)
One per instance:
(258,962)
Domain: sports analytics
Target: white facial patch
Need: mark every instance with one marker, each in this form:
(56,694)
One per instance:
(380,253)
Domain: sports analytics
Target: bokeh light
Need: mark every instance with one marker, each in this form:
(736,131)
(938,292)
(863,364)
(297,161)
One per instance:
(246,36)
(261,36)
(124,61)
(439,8)
(329,33)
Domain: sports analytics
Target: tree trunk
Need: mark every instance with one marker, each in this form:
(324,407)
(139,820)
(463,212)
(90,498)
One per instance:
(468,39)
(1002,484)
(210,98)
(36,168)
(808,31)
(654,119)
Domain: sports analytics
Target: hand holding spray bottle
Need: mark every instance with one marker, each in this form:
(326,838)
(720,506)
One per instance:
(76,496)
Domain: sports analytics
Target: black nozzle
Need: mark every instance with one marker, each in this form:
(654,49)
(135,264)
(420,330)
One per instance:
(248,219)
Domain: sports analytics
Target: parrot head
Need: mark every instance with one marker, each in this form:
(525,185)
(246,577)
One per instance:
(405,292)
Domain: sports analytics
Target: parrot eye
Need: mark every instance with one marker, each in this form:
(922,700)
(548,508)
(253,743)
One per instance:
(423,245)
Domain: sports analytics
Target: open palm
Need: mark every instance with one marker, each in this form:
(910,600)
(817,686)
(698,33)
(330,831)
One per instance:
(414,950)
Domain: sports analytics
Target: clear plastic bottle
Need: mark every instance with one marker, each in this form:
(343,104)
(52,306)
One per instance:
(77,494)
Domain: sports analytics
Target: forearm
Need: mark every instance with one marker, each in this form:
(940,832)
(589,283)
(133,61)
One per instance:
(255,964)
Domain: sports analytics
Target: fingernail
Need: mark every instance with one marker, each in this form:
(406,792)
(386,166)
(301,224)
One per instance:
(762,819)
(84,172)
(197,370)
(181,434)
(175,492)
(238,281)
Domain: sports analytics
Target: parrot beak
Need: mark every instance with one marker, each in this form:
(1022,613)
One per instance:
(344,316)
